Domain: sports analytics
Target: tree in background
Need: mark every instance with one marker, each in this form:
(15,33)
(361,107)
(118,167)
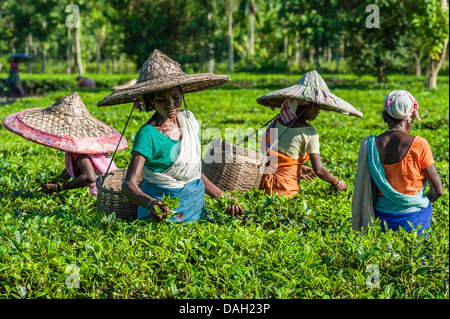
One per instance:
(408,31)
(253,9)
(99,26)
(250,7)
(199,34)
(78,49)
(315,26)
(267,36)
(251,35)
(211,31)
(430,29)
(230,7)
(376,48)
(24,27)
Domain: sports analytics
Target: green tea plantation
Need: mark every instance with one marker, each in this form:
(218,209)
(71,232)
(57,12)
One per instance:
(59,247)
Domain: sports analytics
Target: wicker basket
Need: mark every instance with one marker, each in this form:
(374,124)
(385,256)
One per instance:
(231,167)
(110,198)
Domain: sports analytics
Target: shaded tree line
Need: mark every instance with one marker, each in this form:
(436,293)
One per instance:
(374,37)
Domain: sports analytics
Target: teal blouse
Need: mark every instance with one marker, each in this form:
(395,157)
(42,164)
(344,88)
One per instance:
(159,151)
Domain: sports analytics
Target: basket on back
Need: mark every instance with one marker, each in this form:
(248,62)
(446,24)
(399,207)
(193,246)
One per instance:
(110,198)
(231,167)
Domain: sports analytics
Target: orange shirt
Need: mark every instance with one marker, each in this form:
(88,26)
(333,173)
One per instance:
(407,176)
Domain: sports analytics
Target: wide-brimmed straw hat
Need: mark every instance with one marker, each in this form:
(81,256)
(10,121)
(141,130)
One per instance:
(158,73)
(312,88)
(68,126)
(124,86)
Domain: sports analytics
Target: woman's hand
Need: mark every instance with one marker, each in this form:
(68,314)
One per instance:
(213,191)
(307,173)
(234,210)
(340,186)
(50,188)
(163,210)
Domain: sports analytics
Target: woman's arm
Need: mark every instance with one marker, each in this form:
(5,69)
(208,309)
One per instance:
(64,175)
(213,191)
(86,177)
(132,191)
(436,188)
(323,173)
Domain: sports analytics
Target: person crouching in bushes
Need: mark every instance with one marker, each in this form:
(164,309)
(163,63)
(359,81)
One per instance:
(393,170)
(166,149)
(297,140)
(84,82)
(68,126)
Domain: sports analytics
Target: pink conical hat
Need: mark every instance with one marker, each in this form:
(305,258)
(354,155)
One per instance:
(66,125)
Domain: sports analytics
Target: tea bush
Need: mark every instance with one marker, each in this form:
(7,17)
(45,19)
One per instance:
(58,246)
(38,84)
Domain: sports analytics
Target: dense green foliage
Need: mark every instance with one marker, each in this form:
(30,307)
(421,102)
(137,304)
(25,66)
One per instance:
(302,247)
(265,35)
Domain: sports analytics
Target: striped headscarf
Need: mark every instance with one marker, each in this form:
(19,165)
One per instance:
(288,113)
(401,105)
(289,109)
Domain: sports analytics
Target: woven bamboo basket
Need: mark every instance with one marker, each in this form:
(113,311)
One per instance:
(110,198)
(231,167)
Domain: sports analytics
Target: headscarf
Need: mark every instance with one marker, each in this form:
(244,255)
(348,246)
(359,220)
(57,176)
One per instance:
(289,109)
(401,105)
(288,113)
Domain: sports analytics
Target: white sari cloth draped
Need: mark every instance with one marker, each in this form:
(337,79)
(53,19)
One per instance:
(186,157)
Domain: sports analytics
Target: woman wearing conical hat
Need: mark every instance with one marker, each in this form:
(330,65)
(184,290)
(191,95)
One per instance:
(393,171)
(166,149)
(290,140)
(68,126)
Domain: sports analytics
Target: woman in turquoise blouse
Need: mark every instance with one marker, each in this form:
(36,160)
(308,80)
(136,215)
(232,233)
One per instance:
(166,149)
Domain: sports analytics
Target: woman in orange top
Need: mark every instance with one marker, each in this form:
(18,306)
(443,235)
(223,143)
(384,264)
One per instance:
(299,143)
(398,167)
(290,141)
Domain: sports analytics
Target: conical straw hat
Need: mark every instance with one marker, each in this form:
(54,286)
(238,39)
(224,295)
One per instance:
(124,86)
(312,88)
(158,73)
(66,125)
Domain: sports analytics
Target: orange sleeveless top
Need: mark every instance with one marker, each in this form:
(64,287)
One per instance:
(407,176)
(283,177)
